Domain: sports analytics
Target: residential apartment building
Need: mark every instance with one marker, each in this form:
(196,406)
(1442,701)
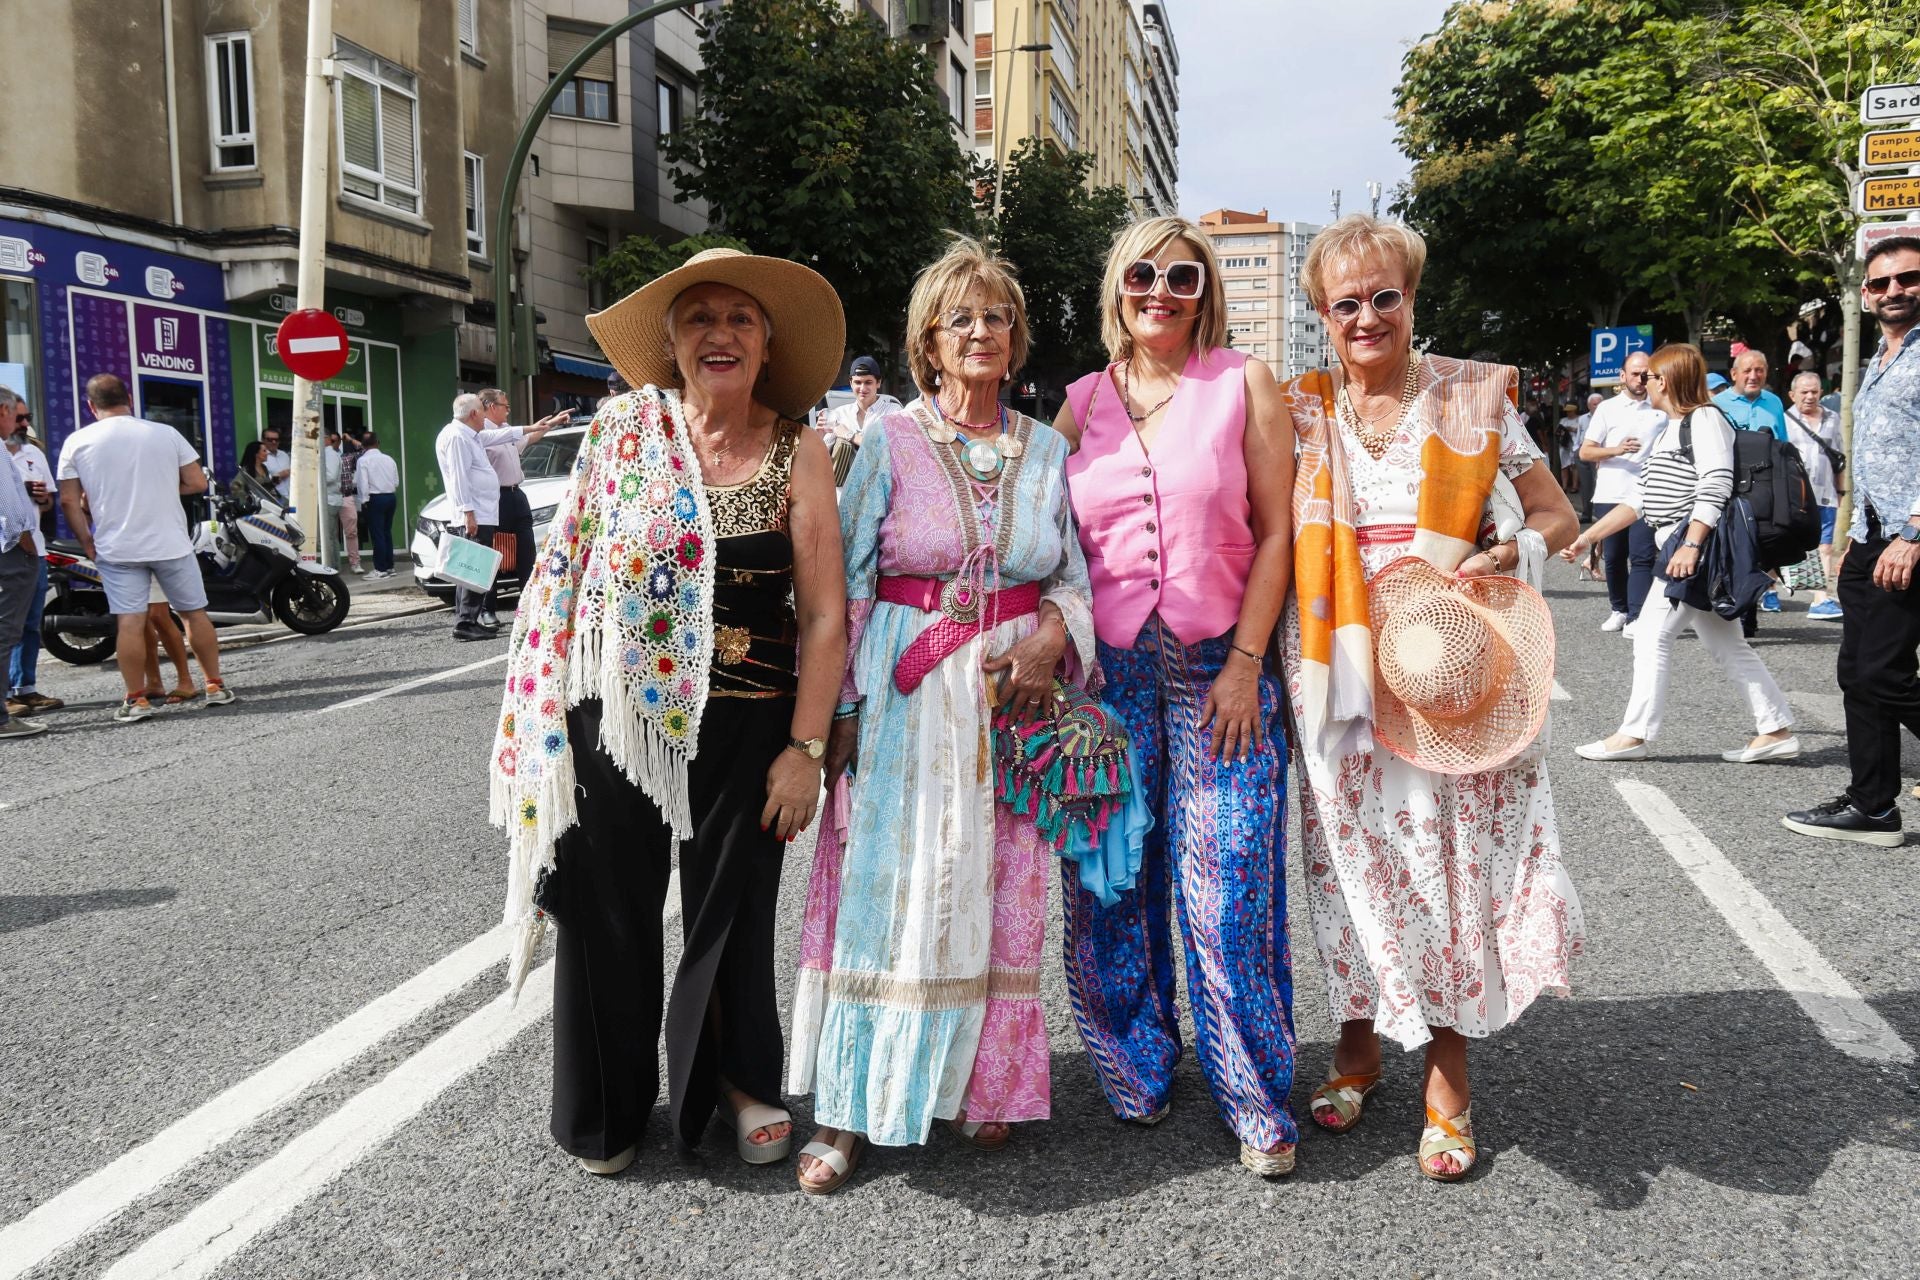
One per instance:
(147,218)
(946,29)
(1092,89)
(596,175)
(1262,266)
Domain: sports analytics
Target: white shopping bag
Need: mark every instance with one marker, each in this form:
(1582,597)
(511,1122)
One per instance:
(465,562)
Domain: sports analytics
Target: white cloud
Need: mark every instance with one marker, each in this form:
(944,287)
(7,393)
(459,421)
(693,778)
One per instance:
(1283,100)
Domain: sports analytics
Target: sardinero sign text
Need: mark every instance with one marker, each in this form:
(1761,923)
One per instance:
(1890,104)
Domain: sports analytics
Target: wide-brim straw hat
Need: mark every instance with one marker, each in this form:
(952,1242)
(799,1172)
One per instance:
(1463,667)
(809,329)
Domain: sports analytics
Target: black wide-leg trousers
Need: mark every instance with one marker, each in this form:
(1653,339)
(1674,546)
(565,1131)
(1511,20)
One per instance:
(607,893)
(1879,640)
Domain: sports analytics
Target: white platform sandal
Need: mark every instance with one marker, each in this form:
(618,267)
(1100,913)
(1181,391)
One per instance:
(750,1121)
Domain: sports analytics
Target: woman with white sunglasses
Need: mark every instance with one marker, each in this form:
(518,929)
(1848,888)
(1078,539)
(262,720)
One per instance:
(1180,489)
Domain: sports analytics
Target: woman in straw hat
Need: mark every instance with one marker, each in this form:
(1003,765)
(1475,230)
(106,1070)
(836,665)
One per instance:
(670,685)
(1419,671)
(1180,486)
(1682,493)
(919,990)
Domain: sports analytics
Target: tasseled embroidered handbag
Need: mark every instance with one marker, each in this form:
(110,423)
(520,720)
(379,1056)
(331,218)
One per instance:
(1070,771)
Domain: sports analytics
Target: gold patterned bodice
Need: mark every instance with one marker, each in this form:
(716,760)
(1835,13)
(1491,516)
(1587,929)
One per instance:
(753,620)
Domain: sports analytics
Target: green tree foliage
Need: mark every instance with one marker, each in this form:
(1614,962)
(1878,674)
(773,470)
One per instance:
(640,260)
(1056,231)
(1692,160)
(821,140)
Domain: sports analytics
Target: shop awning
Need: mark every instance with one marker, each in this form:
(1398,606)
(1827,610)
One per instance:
(576,365)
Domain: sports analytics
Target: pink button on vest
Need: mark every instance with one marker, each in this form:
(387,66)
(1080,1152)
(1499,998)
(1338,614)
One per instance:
(1172,532)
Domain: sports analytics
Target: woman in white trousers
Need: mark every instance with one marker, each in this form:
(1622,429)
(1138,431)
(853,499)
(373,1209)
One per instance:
(1688,486)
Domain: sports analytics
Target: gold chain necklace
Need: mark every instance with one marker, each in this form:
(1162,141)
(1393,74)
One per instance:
(1375,439)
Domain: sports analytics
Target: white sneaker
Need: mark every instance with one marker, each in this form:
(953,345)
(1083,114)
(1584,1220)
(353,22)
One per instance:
(1615,621)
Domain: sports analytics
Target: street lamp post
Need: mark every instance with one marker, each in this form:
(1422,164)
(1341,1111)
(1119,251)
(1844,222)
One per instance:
(522,146)
(999,160)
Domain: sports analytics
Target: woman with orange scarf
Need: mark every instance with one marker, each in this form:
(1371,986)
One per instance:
(1440,904)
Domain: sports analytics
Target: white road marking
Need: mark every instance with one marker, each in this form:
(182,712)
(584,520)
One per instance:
(1559,693)
(405,685)
(240,1212)
(58,1223)
(1848,1022)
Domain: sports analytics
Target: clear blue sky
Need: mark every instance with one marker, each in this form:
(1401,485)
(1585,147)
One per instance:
(1283,100)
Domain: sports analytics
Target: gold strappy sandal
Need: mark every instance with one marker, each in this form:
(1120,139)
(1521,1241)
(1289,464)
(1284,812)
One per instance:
(1443,1136)
(1339,1102)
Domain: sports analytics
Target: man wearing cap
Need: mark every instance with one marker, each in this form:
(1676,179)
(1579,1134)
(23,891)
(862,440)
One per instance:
(516,516)
(849,421)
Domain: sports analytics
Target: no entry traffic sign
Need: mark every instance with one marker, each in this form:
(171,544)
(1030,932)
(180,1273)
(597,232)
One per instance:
(312,344)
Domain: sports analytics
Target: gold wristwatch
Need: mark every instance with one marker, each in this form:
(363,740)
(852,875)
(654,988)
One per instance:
(812,748)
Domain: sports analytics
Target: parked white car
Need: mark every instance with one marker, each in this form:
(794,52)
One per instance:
(548,463)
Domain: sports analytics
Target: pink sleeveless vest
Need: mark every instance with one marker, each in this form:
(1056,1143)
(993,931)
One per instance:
(1172,532)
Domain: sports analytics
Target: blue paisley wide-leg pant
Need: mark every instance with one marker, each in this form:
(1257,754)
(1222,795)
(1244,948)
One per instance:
(1217,851)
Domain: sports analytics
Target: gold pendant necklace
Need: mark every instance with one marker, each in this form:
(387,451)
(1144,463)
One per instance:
(1376,439)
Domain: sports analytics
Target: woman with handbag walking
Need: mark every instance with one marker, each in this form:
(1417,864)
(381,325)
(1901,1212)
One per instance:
(918,997)
(1814,431)
(1180,486)
(1683,492)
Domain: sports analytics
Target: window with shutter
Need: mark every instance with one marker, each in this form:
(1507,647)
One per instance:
(230,100)
(476,185)
(470,26)
(589,95)
(379,129)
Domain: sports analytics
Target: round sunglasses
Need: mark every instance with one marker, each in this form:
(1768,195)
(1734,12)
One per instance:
(1384,303)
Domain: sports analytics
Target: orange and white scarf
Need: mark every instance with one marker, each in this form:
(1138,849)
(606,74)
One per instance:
(1460,409)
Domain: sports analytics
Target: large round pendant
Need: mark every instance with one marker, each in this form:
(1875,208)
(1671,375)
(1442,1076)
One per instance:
(1009,446)
(983,459)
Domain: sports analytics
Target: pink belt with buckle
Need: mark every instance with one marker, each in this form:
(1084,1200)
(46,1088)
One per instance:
(963,605)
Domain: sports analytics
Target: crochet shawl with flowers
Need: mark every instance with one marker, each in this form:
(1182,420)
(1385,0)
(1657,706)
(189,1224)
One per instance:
(619,608)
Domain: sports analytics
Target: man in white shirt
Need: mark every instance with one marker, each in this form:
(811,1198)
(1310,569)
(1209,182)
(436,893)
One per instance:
(843,426)
(474,490)
(23,697)
(376,487)
(330,495)
(1617,441)
(279,463)
(130,475)
(516,516)
(22,565)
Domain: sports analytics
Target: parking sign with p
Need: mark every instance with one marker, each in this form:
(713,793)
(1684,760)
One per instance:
(1608,349)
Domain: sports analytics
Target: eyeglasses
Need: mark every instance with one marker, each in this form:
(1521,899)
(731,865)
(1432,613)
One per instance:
(998,318)
(1185,279)
(1654,377)
(1908,280)
(1636,373)
(1384,303)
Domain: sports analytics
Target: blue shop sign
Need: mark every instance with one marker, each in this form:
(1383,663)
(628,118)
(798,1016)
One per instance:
(59,257)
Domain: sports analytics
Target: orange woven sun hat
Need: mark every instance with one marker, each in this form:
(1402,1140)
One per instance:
(1463,667)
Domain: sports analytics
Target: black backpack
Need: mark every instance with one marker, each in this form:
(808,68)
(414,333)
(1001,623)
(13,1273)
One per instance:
(1769,474)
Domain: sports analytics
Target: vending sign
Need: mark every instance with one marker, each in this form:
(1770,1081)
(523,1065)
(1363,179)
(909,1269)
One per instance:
(167,341)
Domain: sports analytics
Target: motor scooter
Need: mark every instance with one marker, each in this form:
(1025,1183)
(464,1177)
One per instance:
(250,564)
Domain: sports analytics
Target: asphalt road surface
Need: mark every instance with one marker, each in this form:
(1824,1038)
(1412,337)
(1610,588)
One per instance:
(251,1025)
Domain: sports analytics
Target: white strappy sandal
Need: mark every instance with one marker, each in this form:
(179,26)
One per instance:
(843,1163)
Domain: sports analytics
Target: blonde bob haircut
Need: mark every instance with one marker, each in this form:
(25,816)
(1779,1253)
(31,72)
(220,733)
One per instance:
(1358,238)
(1146,239)
(942,285)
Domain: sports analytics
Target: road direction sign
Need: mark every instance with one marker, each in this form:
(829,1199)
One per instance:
(1890,149)
(312,344)
(1870,233)
(1608,350)
(1890,104)
(1887,195)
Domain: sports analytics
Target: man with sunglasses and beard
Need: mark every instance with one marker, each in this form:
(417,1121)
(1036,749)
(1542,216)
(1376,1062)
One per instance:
(1879,666)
